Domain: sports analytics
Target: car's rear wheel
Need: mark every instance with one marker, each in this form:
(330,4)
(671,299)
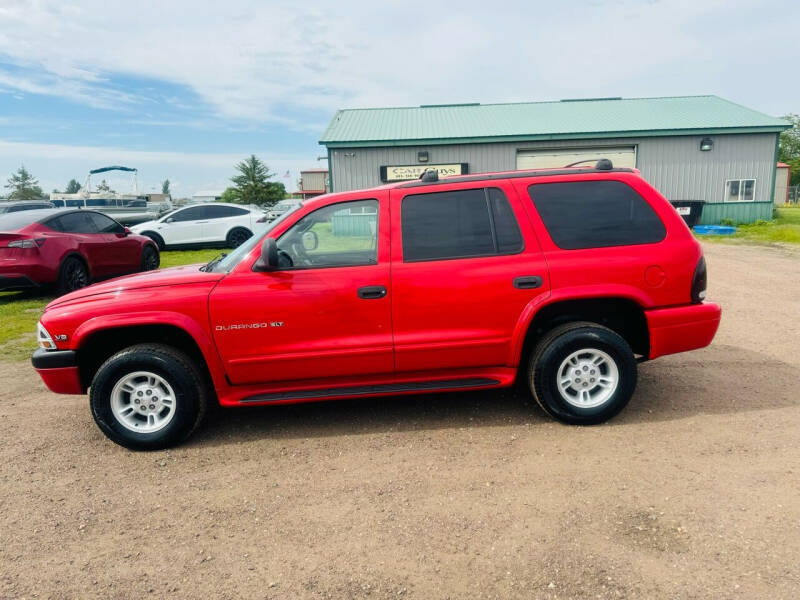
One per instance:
(73,275)
(150,258)
(148,397)
(237,237)
(582,373)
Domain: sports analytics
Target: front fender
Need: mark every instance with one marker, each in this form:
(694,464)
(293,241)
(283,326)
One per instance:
(195,330)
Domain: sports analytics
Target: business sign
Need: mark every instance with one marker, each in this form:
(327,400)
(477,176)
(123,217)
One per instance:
(408,172)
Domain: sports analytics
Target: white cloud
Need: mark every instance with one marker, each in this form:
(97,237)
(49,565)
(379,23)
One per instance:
(270,62)
(188,171)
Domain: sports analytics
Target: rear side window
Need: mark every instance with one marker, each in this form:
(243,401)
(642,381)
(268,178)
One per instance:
(595,214)
(77,222)
(459,224)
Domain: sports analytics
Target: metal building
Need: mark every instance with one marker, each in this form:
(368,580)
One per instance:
(690,147)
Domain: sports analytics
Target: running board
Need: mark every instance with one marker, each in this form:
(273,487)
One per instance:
(386,388)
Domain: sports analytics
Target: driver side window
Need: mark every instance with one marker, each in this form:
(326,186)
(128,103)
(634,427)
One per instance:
(338,235)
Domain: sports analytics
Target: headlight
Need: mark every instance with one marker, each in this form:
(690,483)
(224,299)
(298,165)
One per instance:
(44,339)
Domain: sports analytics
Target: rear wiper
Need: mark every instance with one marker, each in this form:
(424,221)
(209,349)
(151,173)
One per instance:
(213,262)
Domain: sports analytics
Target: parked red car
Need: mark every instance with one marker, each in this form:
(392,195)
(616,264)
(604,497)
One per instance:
(561,279)
(68,248)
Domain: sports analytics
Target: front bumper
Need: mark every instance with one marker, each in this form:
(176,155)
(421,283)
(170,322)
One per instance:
(59,370)
(682,328)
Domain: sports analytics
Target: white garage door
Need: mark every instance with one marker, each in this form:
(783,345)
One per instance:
(621,156)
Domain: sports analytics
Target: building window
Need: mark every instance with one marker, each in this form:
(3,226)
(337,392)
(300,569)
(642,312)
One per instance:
(740,190)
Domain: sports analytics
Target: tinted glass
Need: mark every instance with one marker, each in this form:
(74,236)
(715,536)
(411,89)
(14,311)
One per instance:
(77,222)
(104,224)
(595,214)
(509,238)
(220,212)
(193,213)
(333,236)
(444,225)
(16,220)
(101,202)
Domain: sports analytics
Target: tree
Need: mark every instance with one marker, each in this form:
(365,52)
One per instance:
(165,187)
(231,194)
(104,187)
(252,185)
(789,147)
(73,187)
(23,186)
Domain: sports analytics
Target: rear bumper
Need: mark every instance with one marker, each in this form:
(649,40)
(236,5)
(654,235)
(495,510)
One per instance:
(59,370)
(16,282)
(682,328)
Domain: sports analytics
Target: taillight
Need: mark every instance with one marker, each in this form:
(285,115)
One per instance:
(699,281)
(27,243)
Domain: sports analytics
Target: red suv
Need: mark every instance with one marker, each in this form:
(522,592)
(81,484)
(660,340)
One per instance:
(563,279)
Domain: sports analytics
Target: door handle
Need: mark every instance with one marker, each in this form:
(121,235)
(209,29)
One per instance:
(527,283)
(371,292)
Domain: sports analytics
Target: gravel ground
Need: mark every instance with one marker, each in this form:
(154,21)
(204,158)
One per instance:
(693,492)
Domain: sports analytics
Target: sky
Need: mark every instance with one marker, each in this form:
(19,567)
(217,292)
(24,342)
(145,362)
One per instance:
(184,89)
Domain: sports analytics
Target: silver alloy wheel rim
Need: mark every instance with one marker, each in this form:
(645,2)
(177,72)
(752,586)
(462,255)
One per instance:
(143,402)
(588,378)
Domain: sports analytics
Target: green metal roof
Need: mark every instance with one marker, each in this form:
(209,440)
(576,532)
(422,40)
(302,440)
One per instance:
(564,119)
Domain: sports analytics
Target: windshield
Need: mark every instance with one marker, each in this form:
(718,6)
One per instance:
(232,259)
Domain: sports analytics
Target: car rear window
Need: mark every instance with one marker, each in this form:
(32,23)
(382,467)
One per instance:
(16,220)
(458,224)
(595,214)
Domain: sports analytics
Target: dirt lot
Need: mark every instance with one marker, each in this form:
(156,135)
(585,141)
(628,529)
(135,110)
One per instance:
(693,492)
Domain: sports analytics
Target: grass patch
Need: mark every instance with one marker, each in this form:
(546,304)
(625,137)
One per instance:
(176,258)
(20,311)
(783,229)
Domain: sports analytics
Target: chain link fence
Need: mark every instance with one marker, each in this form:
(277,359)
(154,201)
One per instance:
(793,196)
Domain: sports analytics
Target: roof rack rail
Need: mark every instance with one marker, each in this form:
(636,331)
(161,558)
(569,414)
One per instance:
(429,176)
(602,164)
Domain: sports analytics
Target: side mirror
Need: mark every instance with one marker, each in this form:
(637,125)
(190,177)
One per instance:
(268,261)
(127,231)
(169,220)
(310,241)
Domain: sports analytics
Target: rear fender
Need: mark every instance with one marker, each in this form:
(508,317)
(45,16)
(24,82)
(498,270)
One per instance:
(563,294)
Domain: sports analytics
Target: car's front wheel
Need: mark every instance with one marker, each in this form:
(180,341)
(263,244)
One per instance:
(148,397)
(582,373)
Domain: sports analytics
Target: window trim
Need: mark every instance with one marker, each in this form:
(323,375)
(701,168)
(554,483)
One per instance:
(725,199)
(377,237)
(492,226)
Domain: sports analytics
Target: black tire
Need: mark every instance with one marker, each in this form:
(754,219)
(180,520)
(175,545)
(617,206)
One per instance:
(73,275)
(159,241)
(150,258)
(168,363)
(238,236)
(547,368)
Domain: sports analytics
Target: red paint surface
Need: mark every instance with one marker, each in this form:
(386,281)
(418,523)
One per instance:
(439,320)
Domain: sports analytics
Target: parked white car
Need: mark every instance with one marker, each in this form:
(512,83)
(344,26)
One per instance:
(281,207)
(208,224)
